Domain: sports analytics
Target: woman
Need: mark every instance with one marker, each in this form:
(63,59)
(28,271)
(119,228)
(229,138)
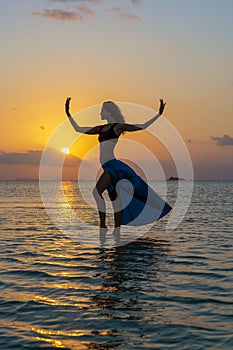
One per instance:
(128,203)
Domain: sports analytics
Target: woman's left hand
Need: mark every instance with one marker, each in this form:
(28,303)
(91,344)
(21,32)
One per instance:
(162,106)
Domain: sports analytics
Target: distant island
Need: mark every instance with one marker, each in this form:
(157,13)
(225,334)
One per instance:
(175,178)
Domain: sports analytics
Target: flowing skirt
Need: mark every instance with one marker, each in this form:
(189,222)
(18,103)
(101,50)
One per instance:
(140,203)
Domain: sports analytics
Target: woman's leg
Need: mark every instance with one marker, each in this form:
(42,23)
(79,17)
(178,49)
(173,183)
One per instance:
(117,207)
(118,212)
(102,184)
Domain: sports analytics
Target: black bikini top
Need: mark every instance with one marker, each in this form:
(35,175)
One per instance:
(108,134)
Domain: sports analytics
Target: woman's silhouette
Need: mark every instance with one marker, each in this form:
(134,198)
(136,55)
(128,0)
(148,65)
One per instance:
(115,170)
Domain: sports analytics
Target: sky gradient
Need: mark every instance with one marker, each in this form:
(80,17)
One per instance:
(125,50)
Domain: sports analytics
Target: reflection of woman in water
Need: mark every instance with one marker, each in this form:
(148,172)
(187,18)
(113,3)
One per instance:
(144,206)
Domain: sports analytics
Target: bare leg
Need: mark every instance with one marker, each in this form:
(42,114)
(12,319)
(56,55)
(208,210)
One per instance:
(117,207)
(102,184)
(118,212)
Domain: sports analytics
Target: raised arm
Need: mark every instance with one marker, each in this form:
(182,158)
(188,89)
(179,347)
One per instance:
(152,120)
(83,129)
(136,127)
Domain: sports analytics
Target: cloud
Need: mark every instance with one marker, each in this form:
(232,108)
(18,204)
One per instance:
(41,126)
(196,141)
(226,140)
(82,11)
(31,157)
(52,156)
(60,15)
(136,2)
(55,158)
(94,2)
(125,15)
(86,11)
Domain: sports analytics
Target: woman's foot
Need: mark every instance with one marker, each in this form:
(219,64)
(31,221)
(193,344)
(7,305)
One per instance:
(116,234)
(103,229)
(102,233)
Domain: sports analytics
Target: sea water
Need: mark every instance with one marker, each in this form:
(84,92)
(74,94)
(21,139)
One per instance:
(163,291)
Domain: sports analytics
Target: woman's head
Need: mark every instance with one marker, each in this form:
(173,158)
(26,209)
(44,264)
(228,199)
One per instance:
(111,112)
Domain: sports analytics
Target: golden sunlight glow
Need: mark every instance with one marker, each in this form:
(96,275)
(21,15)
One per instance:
(65,150)
(84,145)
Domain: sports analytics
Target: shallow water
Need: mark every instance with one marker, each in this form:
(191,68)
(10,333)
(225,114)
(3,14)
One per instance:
(164,291)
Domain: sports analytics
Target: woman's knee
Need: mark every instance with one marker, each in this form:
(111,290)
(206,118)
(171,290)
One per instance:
(96,193)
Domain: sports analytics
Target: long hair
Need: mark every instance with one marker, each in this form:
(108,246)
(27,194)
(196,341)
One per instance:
(115,111)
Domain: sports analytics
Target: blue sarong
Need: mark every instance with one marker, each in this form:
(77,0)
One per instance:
(140,203)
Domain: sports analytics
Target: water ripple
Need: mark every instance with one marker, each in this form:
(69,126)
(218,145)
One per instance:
(164,291)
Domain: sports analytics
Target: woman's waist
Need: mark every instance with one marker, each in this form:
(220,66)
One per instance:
(105,160)
(106,154)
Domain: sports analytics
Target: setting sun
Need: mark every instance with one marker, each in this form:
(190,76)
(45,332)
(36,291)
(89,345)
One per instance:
(65,150)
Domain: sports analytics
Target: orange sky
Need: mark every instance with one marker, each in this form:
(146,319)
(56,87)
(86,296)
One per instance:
(184,54)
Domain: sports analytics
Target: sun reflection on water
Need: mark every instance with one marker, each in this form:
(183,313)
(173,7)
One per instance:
(48,336)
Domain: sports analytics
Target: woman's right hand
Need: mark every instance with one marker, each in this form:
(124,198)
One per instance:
(67,106)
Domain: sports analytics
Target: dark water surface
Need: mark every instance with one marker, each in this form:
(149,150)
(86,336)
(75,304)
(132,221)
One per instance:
(163,291)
